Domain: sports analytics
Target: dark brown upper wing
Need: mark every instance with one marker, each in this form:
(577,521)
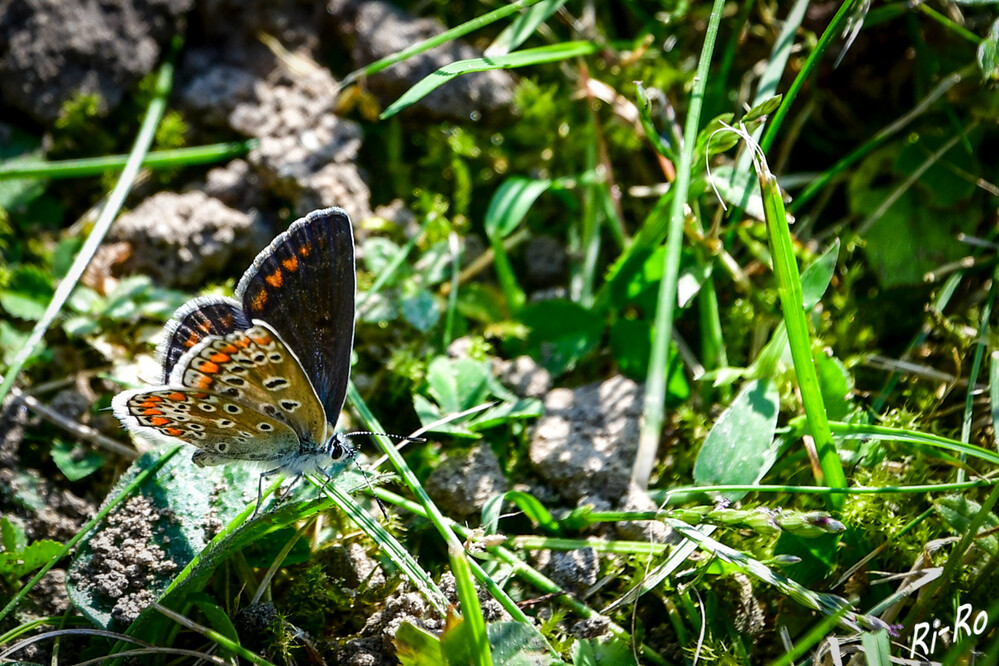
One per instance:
(303,285)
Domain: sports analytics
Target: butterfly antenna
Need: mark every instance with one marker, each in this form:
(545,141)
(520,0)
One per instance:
(385,434)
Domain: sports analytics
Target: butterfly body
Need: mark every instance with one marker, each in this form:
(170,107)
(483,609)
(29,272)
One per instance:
(262,378)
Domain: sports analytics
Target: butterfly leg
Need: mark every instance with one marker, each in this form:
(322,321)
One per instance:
(286,493)
(260,489)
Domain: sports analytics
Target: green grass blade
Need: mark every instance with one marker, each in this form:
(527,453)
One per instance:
(154,113)
(832,31)
(157,159)
(471,610)
(792,299)
(655,387)
(523,27)
(437,40)
(525,58)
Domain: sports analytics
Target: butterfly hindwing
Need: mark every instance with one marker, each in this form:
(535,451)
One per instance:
(255,368)
(304,286)
(220,427)
(193,322)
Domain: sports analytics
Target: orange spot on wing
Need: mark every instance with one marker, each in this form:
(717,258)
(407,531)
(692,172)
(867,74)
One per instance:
(227,321)
(209,368)
(305,249)
(275,279)
(290,264)
(173,432)
(204,381)
(258,302)
(177,396)
(205,327)
(263,339)
(228,348)
(159,421)
(219,358)
(192,339)
(152,412)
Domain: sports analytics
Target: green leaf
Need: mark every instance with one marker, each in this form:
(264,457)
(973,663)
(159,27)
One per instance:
(28,293)
(512,644)
(75,461)
(988,54)
(738,450)
(731,186)
(15,564)
(218,619)
(458,384)
(421,311)
(836,386)
(816,278)
(417,647)
(561,333)
(12,536)
(525,58)
(19,147)
(764,108)
(379,253)
(958,512)
(590,652)
(529,504)
(509,205)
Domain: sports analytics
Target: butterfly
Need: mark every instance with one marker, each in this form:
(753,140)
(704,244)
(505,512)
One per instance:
(262,377)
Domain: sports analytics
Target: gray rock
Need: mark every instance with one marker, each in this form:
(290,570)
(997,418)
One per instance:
(587,440)
(52,51)
(375,29)
(464,482)
(181,239)
(525,377)
(642,530)
(574,570)
(305,152)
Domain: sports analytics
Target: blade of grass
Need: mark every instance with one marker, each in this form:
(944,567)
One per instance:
(792,299)
(655,387)
(471,612)
(832,31)
(154,113)
(213,636)
(522,27)
(157,159)
(881,137)
(525,58)
(981,344)
(437,40)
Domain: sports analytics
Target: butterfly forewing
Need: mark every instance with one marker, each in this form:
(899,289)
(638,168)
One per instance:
(222,428)
(193,322)
(304,286)
(256,369)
